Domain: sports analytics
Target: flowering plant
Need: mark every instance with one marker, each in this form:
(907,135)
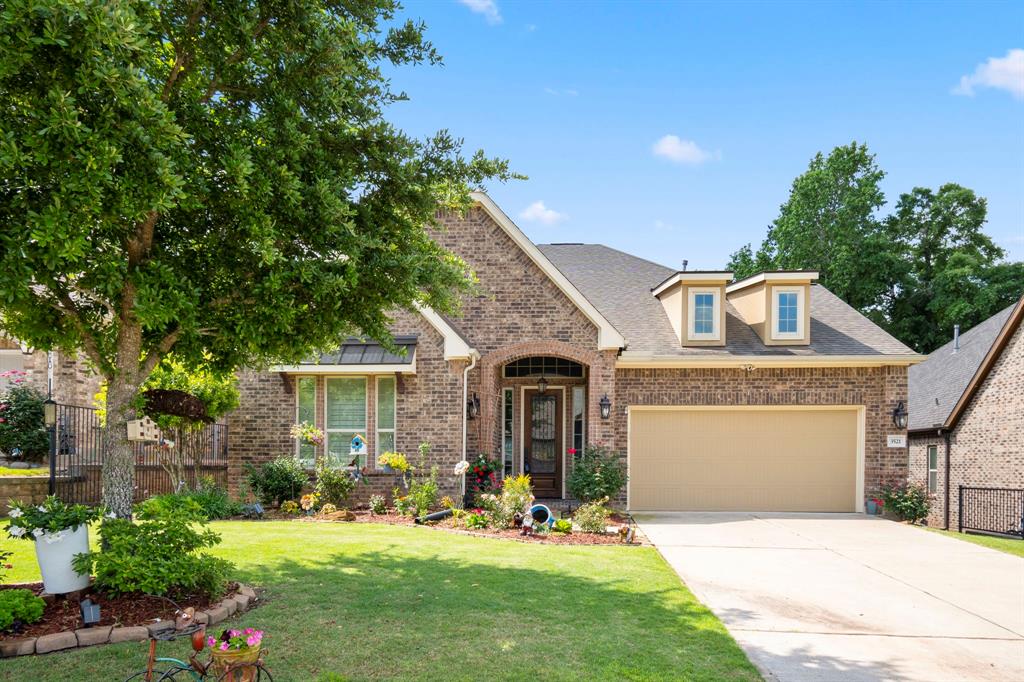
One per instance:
(484,476)
(52,520)
(290,507)
(461,468)
(236,640)
(395,460)
(328,508)
(307,433)
(878,501)
(309,501)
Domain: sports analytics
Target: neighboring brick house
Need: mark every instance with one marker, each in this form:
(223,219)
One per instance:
(967,416)
(768,393)
(70,380)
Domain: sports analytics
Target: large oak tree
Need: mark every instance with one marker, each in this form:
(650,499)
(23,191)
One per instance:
(215,179)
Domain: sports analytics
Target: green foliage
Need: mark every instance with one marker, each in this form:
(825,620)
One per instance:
(212,502)
(290,507)
(333,486)
(951,271)
(278,480)
(19,607)
(21,420)
(593,516)
(596,473)
(477,520)
(909,501)
(216,179)
(482,474)
(404,504)
(5,564)
(517,493)
(395,460)
(563,526)
(27,521)
(378,505)
(161,554)
(424,493)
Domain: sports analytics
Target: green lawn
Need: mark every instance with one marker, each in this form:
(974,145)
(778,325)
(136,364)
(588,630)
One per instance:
(7,471)
(371,601)
(1008,545)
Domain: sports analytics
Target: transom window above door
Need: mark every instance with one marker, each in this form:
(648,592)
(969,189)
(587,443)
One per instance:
(538,366)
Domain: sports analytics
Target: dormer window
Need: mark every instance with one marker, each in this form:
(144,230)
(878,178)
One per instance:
(704,315)
(787,312)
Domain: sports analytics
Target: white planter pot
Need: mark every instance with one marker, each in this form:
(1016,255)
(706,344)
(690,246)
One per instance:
(55,559)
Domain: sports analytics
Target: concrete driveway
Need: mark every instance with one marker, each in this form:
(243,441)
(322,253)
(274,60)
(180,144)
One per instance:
(850,597)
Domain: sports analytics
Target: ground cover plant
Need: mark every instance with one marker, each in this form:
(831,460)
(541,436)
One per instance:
(621,612)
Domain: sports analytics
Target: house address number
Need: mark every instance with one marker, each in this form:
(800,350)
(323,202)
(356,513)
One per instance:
(899,441)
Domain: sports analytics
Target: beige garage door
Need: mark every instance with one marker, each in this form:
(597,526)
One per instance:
(743,460)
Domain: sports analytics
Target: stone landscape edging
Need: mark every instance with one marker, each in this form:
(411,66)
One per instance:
(242,600)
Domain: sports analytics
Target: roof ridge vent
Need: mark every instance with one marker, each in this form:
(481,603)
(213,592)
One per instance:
(956,338)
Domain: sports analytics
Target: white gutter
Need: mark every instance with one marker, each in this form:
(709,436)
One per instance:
(474,356)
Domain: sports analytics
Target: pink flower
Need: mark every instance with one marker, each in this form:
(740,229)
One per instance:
(223,646)
(249,631)
(253,640)
(233,633)
(211,641)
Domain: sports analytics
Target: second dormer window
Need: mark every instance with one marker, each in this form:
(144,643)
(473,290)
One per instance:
(703,315)
(788,313)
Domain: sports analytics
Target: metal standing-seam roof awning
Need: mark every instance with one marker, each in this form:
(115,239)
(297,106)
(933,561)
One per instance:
(360,356)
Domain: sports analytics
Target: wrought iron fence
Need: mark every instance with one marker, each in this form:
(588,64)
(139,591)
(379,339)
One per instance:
(180,459)
(992,510)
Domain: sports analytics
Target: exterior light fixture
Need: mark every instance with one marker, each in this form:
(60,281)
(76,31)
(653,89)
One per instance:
(50,413)
(473,407)
(899,416)
(606,407)
(542,385)
(90,613)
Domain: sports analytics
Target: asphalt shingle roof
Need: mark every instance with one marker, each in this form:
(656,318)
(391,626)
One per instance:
(935,385)
(355,351)
(619,286)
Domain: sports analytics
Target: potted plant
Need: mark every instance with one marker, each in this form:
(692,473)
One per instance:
(875,506)
(60,531)
(394,463)
(234,648)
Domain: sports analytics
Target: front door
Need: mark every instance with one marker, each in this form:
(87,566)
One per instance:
(542,443)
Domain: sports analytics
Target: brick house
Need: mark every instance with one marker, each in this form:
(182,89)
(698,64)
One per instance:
(68,378)
(768,393)
(966,417)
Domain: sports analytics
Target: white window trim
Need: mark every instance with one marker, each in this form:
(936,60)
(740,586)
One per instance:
(366,413)
(928,465)
(376,416)
(507,398)
(716,311)
(799,333)
(298,443)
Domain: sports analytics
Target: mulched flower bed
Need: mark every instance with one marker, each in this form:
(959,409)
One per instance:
(456,526)
(129,610)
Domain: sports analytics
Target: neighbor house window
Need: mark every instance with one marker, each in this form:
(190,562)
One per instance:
(305,411)
(507,425)
(703,314)
(345,417)
(579,410)
(933,468)
(787,309)
(385,415)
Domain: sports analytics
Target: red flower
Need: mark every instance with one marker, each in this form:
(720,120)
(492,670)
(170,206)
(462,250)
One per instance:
(571,451)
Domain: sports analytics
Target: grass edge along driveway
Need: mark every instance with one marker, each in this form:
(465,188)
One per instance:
(1006,545)
(371,601)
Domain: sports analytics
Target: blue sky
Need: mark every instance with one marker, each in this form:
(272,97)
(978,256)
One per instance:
(674,130)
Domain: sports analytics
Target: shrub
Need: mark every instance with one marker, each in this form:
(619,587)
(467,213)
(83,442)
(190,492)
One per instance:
(423,493)
(497,511)
(563,526)
(517,493)
(213,500)
(378,505)
(19,607)
(909,501)
(328,509)
(476,519)
(333,486)
(595,474)
(278,480)
(161,554)
(593,516)
(403,503)
(482,474)
(290,507)
(22,431)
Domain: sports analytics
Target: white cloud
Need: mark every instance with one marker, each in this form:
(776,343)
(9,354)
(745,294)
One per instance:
(537,212)
(530,28)
(1002,73)
(680,151)
(662,226)
(488,8)
(568,92)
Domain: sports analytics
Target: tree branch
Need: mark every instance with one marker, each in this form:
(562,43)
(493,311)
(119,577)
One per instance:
(68,308)
(182,59)
(154,356)
(235,56)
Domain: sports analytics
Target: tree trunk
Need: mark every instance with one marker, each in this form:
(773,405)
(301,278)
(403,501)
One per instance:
(118,455)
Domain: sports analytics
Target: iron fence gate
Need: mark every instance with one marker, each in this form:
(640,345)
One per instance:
(76,458)
(992,510)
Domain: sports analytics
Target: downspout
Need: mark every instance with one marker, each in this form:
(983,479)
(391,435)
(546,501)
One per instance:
(473,356)
(945,436)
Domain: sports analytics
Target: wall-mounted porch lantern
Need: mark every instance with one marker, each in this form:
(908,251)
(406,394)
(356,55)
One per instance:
(899,416)
(542,385)
(606,407)
(473,407)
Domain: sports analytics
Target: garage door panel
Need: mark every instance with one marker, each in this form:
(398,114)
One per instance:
(755,460)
